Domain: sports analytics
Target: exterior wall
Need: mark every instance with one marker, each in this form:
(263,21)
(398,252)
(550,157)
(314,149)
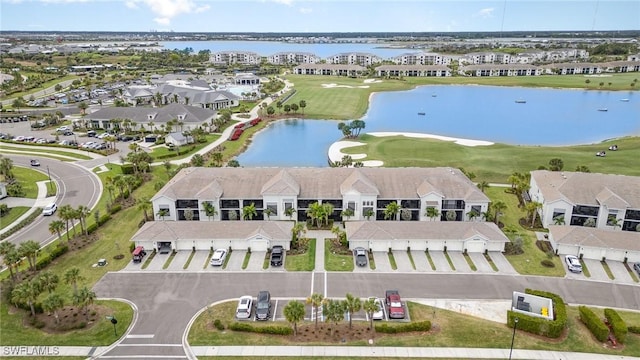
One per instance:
(161,202)
(616,254)
(495,246)
(568,249)
(475,246)
(455,245)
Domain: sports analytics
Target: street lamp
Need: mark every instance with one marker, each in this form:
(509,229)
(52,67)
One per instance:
(513,337)
(114,321)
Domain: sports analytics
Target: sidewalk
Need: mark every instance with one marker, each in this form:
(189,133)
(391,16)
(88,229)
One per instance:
(41,201)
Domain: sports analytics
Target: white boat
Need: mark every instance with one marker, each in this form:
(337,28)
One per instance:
(603,109)
(521,101)
(624,100)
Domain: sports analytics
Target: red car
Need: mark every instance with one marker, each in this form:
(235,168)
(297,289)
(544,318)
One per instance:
(394,304)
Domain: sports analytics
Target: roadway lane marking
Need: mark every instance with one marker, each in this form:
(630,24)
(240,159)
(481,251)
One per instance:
(141,336)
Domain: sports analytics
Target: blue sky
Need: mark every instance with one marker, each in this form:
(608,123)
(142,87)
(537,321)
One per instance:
(318,15)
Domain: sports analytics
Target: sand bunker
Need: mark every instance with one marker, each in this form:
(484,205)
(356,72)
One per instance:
(465,142)
(335,153)
(372,81)
(330,86)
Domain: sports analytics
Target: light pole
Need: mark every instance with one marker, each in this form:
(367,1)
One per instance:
(513,337)
(114,321)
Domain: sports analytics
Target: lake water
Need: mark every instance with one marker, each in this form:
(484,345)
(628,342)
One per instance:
(267,48)
(549,117)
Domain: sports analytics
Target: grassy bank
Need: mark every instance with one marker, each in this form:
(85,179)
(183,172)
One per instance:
(495,163)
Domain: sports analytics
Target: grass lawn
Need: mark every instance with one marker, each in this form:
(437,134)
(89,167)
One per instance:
(28,178)
(527,263)
(453,330)
(336,262)
(13,215)
(47,152)
(184,150)
(352,103)
(101,334)
(302,262)
(495,163)
(25,94)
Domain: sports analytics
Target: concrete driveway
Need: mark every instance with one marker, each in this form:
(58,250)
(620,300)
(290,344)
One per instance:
(459,262)
(198,261)
(421,261)
(158,262)
(177,264)
(382,261)
(440,261)
(481,263)
(236,259)
(256,262)
(620,272)
(596,270)
(501,262)
(403,263)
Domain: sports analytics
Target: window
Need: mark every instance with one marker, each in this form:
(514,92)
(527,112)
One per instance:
(351,205)
(230,204)
(612,218)
(367,203)
(164,210)
(288,204)
(187,204)
(273,207)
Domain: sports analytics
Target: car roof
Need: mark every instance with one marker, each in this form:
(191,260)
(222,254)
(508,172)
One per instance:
(262,295)
(50,205)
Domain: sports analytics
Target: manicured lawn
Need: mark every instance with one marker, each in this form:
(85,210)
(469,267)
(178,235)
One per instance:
(495,163)
(453,330)
(101,334)
(302,262)
(162,151)
(13,215)
(47,152)
(527,263)
(45,85)
(28,179)
(336,262)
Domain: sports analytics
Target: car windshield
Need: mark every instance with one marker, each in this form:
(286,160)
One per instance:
(396,304)
(263,305)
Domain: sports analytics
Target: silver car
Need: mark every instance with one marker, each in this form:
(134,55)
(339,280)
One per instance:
(573,263)
(243,311)
(218,257)
(378,314)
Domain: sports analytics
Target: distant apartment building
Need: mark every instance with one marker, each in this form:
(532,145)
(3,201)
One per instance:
(288,58)
(413,71)
(573,68)
(422,58)
(362,59)
(235,57)
(500,70)
(566,54)
(329,69)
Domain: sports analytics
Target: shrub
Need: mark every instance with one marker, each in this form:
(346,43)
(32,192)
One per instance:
(127,169)
(218,324)
(593,323)
(115,208)
(634,329)
(547,263)
(618,325)
(21,224)
(541,326)
(271,329)
(413,326)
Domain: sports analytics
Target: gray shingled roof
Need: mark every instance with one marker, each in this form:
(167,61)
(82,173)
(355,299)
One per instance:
(586,236)
(428,230)
(587,188)
(192,114)
(197,230)
(323,183)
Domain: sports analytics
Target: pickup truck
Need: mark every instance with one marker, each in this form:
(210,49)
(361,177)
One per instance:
(394,304)
(277,253)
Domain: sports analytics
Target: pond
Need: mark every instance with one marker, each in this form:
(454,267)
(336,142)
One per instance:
(511,115)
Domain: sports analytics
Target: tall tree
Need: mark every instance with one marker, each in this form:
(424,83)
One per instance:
(83,299)
(352,305)
(48,281)
(249,212)
(294,313)
(29,249)
(497,208)
(52,304)
(302,104)
(56,227)
(209,209)
(391,211)
(65,212)
(532,209)
(333,311)
(145,205)
(73,276)
(369,306)
(432,213)
(316,300)
(82,212)
(27,292)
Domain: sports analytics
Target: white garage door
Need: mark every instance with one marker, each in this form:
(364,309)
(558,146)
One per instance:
(633,256)
(594,253)
(417,245)
(381,245)
(435,245)
(455,245)
(359,243)
(259,245)
(475,246)
(566,249)
(615,254)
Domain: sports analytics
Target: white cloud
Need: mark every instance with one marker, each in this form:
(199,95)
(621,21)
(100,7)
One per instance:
(168,9)
(306,10)
(484,13)
(63,1)
(285,2)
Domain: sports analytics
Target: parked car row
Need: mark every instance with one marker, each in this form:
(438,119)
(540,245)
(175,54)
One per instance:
(263,306)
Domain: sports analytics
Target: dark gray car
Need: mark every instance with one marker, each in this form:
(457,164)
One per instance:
(361,256)
(277,252)
(263,307)
(636,267)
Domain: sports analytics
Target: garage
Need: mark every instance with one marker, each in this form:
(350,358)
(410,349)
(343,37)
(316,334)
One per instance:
(421,235)
(590,252)
(594,243)
(259,244)
(616,254)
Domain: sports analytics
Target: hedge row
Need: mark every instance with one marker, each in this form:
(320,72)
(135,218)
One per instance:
(396,329)
(55,253)
(93,227)
(634,329)
(271,329)
(618,325)
(593,323)
(540,326)
(28,220)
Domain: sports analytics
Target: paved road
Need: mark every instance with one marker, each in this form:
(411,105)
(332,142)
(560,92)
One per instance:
(76,186)
(167,301)
(40,93)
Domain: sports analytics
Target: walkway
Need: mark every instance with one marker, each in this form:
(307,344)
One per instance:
(41,201)
(333,351)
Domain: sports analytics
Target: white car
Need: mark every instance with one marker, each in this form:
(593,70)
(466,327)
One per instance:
(218,257)
(245,304)
(378,314)
(49,209)
(573,264)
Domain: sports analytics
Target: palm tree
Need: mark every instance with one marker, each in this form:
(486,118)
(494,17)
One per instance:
(72,276)
(10,255)
(294,313)
(369,213)
(162,213)
(209,209)
(48,281)
(498,207)
(145,206)
(347,213)
(391,211)
(56,227)
(369,306)
(83,299)
(289,212)
(249,212)
(302,104)
(483,186)
(314,212)
(558,220)
(316,300)
(26,292)
(65,212)
(297,230)
(52,304)
(333,310)
(432,213)
(82,212)
(327,210)
(472,215)
(268,212)
(532,208)
(29,249)
(352,305)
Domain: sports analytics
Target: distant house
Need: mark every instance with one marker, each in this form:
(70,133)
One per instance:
(285,58)
(178,139)
(357,58)
(413,70)
(500,70)
(329,69)
(422,58)
(235,57)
